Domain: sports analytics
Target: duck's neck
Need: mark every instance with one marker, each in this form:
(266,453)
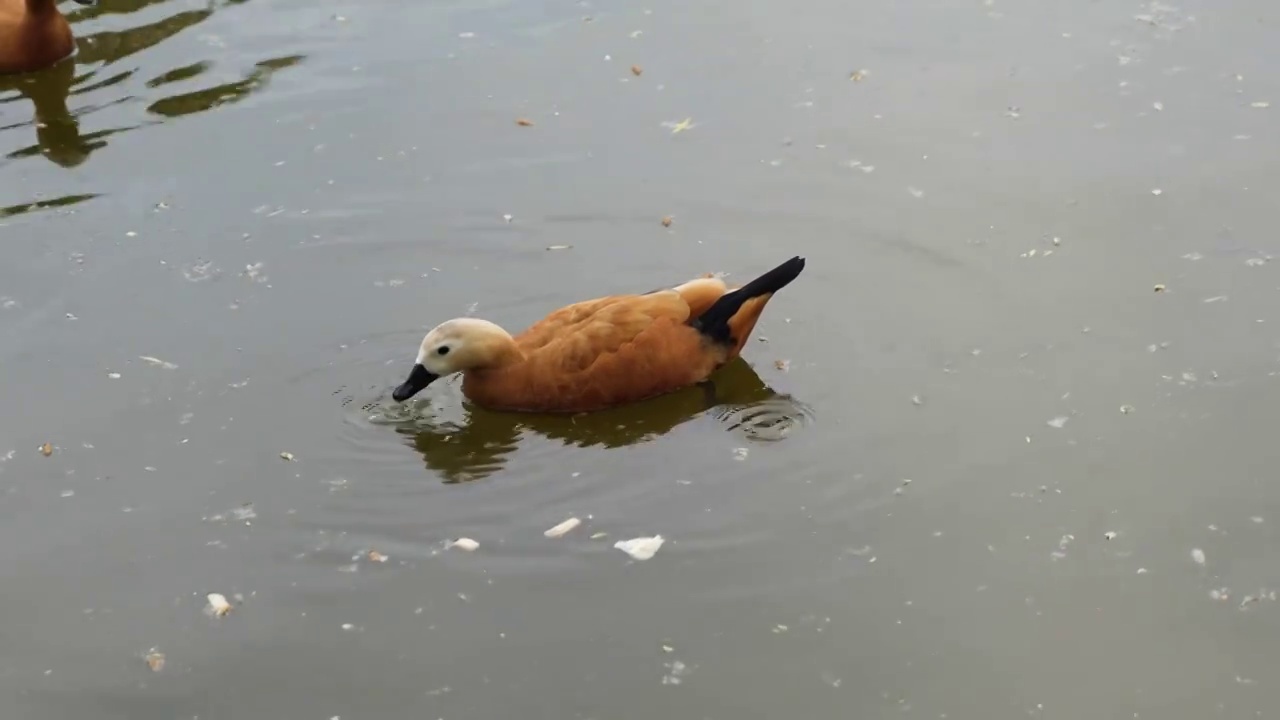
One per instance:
(41,7)
(503,352)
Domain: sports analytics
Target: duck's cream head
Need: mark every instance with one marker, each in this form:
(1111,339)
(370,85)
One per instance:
(455,346)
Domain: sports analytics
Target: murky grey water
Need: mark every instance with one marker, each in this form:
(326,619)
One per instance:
(277,198)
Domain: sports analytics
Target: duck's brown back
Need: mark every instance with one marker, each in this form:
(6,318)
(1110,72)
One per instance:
(600,353)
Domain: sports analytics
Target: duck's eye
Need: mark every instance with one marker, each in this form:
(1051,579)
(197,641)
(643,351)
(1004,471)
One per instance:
(442,350)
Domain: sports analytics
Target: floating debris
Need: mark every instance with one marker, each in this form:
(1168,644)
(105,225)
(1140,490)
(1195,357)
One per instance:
(287,456)
(1109,535)
(155,660)
(1157,191)
(636,70)
(524,122)
(1260,104)
(377,557)
(243,513)
(218,605)
(597,536)
(1063,542)
(859,75)
(1197,556)
(114,375)
(677,671)
(681,126)
(1126,409)
(1058,422)
(1158,105)
(783,365)
(563,528)
(254,271)
(465,544)
(559,247)
(1159,287)
(158,362)
(666,221)
(641,548)
(915,192)
(46,449)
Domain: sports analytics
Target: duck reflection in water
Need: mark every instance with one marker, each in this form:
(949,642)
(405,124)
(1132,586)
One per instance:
(484,441)
(47,87)
(57,129)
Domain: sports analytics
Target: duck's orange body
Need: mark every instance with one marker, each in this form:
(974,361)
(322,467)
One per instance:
(33,35)
(600,353)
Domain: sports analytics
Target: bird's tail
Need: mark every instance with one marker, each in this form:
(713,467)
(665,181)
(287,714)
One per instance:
(731,319)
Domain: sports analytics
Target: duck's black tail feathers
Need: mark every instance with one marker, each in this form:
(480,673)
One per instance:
(731,319)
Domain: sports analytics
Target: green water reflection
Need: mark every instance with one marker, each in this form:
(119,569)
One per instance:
(483,442)
(60,101)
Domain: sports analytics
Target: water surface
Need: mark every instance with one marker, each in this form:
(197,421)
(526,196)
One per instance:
(274,200)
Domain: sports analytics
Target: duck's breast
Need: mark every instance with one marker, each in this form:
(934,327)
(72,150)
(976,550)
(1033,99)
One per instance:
(30,42)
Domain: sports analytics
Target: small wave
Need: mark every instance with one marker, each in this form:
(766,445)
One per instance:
(771,420)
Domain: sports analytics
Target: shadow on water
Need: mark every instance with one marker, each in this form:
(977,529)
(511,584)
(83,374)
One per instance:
(482,442)
(58,202)
(58,128)
(209,98)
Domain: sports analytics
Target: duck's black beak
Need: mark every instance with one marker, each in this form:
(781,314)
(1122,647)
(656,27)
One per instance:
(419,378)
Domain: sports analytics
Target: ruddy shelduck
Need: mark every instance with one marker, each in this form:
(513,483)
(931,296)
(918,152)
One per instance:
(33,35)
(599,353)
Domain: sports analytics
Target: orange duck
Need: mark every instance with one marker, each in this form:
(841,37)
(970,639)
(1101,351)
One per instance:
(599,353)
(33,35)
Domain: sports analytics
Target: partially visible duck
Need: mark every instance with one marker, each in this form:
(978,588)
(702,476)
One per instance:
(33,35)
(599,353)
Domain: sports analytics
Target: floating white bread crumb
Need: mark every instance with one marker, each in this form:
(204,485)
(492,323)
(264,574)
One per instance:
(218,605)
(641,548)
(563,528)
